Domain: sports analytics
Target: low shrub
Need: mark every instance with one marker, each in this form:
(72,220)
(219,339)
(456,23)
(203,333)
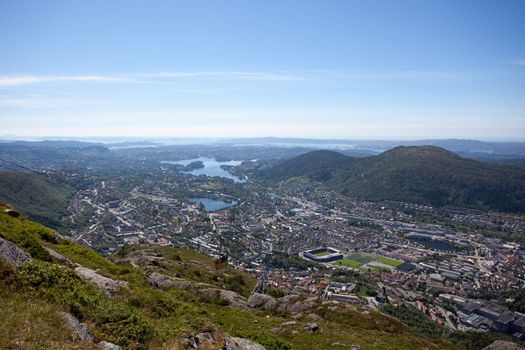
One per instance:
(115,322)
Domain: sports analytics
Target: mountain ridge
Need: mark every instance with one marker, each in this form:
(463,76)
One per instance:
(419,174)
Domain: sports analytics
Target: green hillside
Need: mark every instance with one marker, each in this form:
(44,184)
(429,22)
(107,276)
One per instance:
(143,315)
(420,174)
(37,196)
(317,165)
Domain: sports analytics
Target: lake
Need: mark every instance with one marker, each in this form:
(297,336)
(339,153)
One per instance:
(436,244)
(211,167)
(211,205)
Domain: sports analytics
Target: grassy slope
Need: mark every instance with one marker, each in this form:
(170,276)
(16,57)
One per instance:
(143,317)
(45,330)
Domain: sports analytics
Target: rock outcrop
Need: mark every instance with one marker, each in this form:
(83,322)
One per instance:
(59,257)
(233,343)
(504,345)
(202,290)
(213,338)
(158,280)
(104,345)
(311,327)
(258,300)
(229,297)
(209,338)
(289,303)
(12,254)
(105,284)
(79,330)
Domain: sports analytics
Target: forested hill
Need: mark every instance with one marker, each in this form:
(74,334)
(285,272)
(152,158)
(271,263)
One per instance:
(316,165)
(40,198)
(419,174)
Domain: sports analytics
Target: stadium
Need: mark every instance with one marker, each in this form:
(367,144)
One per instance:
(324,254)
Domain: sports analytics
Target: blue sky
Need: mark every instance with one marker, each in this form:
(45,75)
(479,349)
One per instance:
(325,69)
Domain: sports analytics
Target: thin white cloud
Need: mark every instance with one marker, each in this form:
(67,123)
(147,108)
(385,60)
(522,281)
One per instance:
(34,79)
(387,75)
(16,102)
(180,76)
(318,74)
(6,81)
(231,75)
(518,61)
(29,102)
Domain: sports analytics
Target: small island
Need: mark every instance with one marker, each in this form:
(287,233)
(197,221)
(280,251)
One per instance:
(194,165)
(222,159)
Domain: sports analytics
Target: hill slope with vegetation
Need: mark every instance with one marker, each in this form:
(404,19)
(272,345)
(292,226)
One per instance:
(147,297)
(42,199)
(419,174)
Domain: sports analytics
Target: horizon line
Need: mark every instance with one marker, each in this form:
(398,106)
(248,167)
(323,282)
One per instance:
(219,138)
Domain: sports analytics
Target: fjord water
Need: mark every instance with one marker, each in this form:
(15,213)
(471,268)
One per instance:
(211,167)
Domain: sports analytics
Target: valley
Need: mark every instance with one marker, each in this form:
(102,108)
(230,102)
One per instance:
(444,263)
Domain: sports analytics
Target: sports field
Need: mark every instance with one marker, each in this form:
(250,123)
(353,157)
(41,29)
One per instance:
(349,263)
(366,261)
(389,261)
(320,254)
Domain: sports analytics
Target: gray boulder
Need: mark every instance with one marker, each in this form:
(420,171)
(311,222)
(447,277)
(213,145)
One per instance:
(79,330)
(105,284)
(105,345)
(158,280)
(12,254)
(209,338)
(257,300)
(300,306)
(313,317)
(289,303)
(229,297)
(288,299)
(59,257)
(311,327)
(504,345)
(233,343)
(271,304)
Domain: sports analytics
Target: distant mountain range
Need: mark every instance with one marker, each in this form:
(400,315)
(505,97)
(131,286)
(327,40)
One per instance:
(419,174)
(454,145)
(50,143)
(470,148)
